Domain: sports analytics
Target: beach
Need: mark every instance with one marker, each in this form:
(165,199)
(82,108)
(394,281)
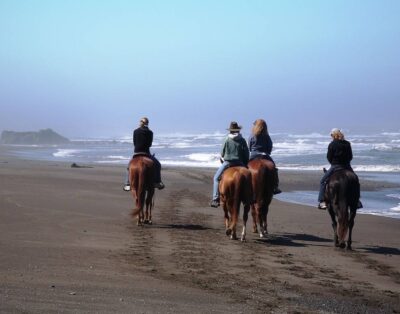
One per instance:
(68,243)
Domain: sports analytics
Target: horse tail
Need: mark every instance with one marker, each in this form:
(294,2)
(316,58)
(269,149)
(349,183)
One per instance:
(140,193)
(342,203)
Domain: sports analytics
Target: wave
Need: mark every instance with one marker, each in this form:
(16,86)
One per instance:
(65,153)
(201,157)
(194,164)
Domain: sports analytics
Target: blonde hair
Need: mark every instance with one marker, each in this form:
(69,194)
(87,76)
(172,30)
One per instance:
(337,134)
(259,127)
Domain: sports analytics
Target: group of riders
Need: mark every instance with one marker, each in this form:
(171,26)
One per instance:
(237,152)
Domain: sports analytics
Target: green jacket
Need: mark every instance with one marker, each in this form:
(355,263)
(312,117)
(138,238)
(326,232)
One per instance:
(235,149)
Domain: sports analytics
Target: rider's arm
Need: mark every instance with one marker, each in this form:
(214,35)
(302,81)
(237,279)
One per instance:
(329,154)
(269,145)
(245,152)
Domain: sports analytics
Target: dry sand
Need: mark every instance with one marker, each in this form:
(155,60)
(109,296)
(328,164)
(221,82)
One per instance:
(69,244)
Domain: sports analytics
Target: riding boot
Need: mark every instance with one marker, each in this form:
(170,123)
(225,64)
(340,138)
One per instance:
(277,190)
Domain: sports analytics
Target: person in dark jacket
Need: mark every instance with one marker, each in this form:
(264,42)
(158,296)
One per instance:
(339,156)
(234,152)
(142,141)
(260,145)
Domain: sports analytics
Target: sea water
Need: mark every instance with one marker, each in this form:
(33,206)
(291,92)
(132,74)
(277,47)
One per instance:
(376,157)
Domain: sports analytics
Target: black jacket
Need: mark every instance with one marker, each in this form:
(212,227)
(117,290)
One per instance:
(142,140)
(339,153)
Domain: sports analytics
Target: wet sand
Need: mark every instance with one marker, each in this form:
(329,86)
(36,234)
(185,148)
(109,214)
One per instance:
(69,244)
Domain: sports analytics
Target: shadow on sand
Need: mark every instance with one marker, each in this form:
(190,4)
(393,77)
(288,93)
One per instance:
(381,250)
(289,239)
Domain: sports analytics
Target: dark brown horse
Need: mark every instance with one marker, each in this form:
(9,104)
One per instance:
(342,195)
(264,178)
(235,189)
(141,178)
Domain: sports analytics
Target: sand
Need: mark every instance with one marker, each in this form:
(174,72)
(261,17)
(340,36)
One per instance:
(69,244)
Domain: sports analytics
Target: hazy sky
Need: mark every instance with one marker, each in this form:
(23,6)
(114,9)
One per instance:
(93,68)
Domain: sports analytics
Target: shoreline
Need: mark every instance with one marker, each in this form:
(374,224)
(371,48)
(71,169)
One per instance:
(292,182)
(69,243)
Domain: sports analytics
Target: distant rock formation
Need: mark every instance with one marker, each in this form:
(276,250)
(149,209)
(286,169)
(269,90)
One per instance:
(42,137)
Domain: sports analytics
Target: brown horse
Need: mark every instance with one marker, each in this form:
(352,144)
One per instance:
(141,178)
(263,175)
(235,188)
(342,195)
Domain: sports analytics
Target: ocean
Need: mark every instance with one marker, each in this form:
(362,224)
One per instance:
(376,157)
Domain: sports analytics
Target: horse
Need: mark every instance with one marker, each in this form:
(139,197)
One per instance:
(235,189)
(342,195)
(141,178)
(263,174)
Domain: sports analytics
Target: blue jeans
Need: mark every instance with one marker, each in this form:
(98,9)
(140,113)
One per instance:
(157,172)
(325,178)
(218,175)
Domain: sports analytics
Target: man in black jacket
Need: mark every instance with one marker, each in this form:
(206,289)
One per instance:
(339,156)
(142,141)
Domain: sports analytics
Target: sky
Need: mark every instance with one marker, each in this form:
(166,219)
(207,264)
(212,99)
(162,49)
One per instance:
(94,68)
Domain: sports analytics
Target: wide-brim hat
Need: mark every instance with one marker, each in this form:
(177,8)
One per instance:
(234,126)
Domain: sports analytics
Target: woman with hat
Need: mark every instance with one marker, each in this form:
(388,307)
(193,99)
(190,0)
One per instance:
(339,156)
(142,141)
(235,152)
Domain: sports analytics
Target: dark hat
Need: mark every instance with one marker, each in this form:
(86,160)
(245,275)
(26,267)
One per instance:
(144,121)
(234,126)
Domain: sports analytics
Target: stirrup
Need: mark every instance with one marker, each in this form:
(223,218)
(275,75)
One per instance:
(159,185)
(214,203)
(322,205)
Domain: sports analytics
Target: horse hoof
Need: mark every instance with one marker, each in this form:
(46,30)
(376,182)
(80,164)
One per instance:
(233,237)
(228,232)
(342,245)
(261,235)
(243,239)
(146,222)
(150,222)
(349,248)
(255,230)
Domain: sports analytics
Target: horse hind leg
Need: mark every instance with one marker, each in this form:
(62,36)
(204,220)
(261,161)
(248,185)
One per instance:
(245,217)
(254,215)
(334,227)
(351,225)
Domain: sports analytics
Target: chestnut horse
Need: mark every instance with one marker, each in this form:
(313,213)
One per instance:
(141,178)
(263,175)
(235,188)
(342,195)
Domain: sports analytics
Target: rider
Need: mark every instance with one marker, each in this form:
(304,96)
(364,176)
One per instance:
(339,156)
(260,145)
(142,141)
(235,152)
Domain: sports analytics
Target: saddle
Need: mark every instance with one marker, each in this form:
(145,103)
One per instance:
(261,156)
(141,154)
(234,164)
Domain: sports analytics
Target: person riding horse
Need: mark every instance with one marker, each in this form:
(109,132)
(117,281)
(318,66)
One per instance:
(339,156)
(260,145)
(235,152)
(142,141)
